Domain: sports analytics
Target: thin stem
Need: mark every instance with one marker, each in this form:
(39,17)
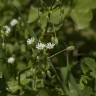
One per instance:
(95,87)
(54,30)
(20,73)
(67,60)
(58,77)
(64,88)
(3,44)
(56,53)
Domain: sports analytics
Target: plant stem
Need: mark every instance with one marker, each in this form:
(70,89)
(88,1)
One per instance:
(58,77)
(95,87)
(56,53)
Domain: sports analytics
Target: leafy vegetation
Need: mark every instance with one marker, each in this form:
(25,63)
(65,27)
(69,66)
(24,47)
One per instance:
(47,47)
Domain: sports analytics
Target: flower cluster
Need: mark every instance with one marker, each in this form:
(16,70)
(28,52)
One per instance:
(41,46)
(50,45)
(7,29)
(11,60)
(14,22)
(30,41)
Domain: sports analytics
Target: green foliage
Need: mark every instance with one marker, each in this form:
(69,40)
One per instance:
(47,48)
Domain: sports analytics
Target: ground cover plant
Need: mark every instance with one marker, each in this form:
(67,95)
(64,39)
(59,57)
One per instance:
(47,47)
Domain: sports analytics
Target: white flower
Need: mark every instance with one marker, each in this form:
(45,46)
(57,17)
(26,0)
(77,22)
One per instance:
(50,45)
(11,60)
(14,22)
(30,40)
(6,29)
(40,46)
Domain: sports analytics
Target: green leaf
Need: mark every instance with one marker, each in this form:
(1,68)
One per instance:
(21,66)
(23,79)
(33,14)
(43,93)
(85,4)
(9,48)
(4,70)
(23,48)
(55,16)
(73,91)
(82,12)
(84,80)
(64,73)
(74,88)
(13,86)
(84,68)
(43,20)
(87,91)
(16,3)
(90,62)
(81,17)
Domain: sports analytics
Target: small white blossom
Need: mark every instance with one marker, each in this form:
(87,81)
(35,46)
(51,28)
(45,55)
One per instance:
(30,40)
(38,57)
(40,46)
(11,60)
(50,45)
(6,29)
(14,22)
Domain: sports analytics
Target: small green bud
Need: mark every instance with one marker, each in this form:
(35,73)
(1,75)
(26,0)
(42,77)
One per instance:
(70,48)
